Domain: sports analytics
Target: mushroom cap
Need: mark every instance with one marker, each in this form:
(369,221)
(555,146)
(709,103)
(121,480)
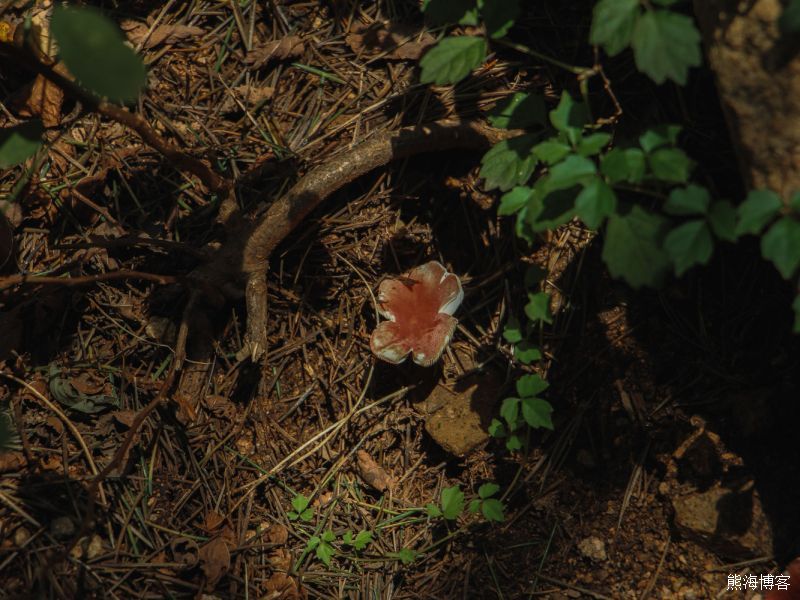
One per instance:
(418,307)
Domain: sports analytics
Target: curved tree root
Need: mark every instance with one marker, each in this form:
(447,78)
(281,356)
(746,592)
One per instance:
(252,245)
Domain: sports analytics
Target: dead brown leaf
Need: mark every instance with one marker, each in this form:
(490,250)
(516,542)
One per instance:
(187,411)
(395,42)
(184,551)
(276,534)
(43,101)
(289,47)
(281,586)
(213,521)
(137,32)
(124,417)
(215,559)
(372,473)
(11,461)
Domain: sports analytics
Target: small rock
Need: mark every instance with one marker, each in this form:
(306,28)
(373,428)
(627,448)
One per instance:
(593,548)
(21,535)
(62,527)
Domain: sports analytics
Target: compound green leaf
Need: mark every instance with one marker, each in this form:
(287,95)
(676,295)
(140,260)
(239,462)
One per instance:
(569,117)
(550,209)
(595,202)
(593,143)
(514,200)
(452,502)
(452,59)
(512,332)
(670,165)
(509,162)
(519,111)
(781,245)
(509,410)
(612,24)
(722,218)
(499,16)
(496,429)
(20,142)
(691,200)
(665,45)
(361,540)
(325,553)
(538,307)
(492,510)
(531,385)
(758,209)
(632,248)
(407,556)
(487,490)
(551,151)
(514,442)
(623,165)
(93,49)
(527,352)
(573,170)
(536,412)
(661,135)
(688,245)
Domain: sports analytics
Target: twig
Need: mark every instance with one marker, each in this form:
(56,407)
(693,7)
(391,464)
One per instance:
(12,280)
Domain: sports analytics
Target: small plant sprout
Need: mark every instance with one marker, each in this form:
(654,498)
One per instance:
(301,509)
(491,508)
(452,504)
(419,309)
(321,544)
(358,541)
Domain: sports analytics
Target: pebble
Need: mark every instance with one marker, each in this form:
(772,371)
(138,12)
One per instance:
(593,548)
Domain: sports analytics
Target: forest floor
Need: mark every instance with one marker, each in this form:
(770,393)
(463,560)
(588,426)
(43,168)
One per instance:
(673,463)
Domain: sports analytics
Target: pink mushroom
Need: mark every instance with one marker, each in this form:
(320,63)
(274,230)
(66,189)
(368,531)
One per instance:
(419,309)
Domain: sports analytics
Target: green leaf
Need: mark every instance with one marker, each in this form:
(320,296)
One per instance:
(531,385)
(509,410)
(758,209)
(527,352)
(691,200)
(433,511)
(307,514)
(538,307)
(612,24)
(513,201)
(569,117)
(474,506)
(632,249)
(362,539)
(496,429)
(722,218)
(623,165)
(299,503)
(20,142)
(536,412)
(789,21)
(595,202)
(551,151)
(499,16)
(509,163)
(452,502)
(325,553)
(407,556)
(794,201)
(665,45)
(487,490)
(492,510)
(313,542)
(661,135)
(328,536)
(670,165)
(519,111)
(592,144)
(781,245)
(514,442)
(447,12)
(93,49)
(347,538)
(550,209)
(512,332)
(452,59)
(573,170)
(688,245)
